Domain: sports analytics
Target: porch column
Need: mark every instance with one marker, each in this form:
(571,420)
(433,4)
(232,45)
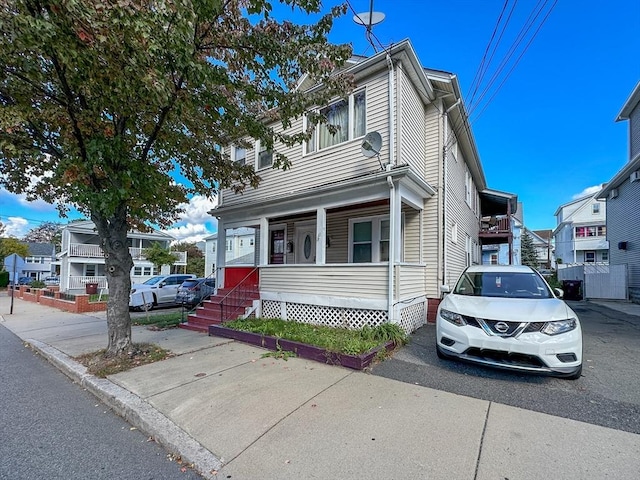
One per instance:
(221,252)
(264,241)
(321,240)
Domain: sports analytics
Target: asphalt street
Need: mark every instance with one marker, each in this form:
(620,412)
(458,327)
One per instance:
(52,429)
(607,394)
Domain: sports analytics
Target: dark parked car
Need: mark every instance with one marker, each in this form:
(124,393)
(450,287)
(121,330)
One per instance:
(194,291)
(25,280)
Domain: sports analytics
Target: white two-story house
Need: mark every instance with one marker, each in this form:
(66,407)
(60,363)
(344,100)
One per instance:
(239,248)
(581,232)
(82,261)
(369,222)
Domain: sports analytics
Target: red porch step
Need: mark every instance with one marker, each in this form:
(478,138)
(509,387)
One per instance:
(209,313)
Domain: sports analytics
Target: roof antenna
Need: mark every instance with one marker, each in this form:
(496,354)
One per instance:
(368,20)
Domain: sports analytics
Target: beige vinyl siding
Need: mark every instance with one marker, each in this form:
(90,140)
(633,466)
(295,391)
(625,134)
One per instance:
(412,142)
(433,227)
(329,165)
(362,281)
(338,230)
(411,281)
(460,214)
(411,234)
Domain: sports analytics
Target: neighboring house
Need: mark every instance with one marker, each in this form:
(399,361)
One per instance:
(240,248)
(580,234)
(369,222)
(622,196)
(543,241)
(82,261)
(504,253)
(38,264)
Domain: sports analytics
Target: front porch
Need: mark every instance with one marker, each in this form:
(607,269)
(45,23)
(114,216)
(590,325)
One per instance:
(343,255)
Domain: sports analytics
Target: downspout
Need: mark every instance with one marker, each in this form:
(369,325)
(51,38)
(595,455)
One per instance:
(392,246)
(392,201)
(392,109)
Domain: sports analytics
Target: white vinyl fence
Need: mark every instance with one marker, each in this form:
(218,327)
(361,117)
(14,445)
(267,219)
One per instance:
(598,280)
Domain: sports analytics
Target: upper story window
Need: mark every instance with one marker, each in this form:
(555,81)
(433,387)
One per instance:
(347,116)
(584,232)
(467,188)
(239,155)
(229,245)
(34,260)
(595,208)
(265,157)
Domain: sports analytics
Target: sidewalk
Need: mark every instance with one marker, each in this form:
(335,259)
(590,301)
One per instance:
(237,415)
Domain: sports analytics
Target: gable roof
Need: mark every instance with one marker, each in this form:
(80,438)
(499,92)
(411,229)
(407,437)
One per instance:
(89,227)
(630,104)
(39,249)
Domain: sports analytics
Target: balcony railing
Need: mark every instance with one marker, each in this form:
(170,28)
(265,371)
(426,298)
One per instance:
(79,282)
(85,250)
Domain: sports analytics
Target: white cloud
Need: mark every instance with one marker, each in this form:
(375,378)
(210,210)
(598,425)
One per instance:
(196,211)
(16,227)
(38,205)
(195,223)
(588,192)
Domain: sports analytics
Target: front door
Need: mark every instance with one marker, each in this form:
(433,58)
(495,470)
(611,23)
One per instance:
(306,242)
(276,247)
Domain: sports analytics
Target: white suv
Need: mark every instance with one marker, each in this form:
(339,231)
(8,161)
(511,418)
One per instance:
(156,291)
(508,317)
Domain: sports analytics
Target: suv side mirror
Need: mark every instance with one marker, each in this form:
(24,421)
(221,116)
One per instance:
(162,284)
(445,289)
(559,292)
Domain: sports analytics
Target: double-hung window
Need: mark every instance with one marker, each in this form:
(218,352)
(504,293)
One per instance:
(240,155)
(265,157)
(369,240)
(346,120)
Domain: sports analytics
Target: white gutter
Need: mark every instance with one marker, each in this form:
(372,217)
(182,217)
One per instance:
(445,182)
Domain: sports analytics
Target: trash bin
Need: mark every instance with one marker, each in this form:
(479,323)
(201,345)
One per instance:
(91,288)
(572,289)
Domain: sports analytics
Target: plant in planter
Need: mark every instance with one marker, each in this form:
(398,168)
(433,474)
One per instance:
(340,346)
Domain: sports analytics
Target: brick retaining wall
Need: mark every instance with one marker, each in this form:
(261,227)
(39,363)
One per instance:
(80,305)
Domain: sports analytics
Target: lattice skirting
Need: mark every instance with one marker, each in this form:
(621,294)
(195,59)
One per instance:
(411,317)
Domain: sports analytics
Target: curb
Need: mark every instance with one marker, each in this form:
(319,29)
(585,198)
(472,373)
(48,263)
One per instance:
(136,411)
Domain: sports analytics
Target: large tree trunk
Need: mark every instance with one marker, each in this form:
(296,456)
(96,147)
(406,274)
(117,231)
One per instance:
(118,265)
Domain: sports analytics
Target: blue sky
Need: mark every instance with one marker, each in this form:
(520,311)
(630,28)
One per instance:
(548,134)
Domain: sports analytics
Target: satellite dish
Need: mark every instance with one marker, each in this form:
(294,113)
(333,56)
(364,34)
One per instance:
(371,144)
(368,19)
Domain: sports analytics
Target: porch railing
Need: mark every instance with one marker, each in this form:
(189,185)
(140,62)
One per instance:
(233,303)
(79,282)
(85,250)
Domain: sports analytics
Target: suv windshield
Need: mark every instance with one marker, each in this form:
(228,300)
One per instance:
(502,284)
(153,281)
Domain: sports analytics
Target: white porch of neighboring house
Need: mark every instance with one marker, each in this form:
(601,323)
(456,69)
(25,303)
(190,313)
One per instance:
(347,254)
(85,264)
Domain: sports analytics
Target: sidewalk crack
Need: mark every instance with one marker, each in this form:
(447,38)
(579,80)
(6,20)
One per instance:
(484,431)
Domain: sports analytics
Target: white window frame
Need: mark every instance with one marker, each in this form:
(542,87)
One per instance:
(454,233)
(234,155)
(376,228)
(467,187)
(258,150)
(351,127)
(595,208)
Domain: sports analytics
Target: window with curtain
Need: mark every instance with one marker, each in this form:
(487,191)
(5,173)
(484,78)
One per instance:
(347,118)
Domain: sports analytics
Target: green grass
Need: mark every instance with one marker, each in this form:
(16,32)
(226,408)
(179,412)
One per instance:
(340,340)
(164,320)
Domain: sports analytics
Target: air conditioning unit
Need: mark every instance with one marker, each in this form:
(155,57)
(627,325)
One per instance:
(613,193)
(635,176)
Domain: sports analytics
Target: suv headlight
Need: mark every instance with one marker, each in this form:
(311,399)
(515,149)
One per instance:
(453,317)
(560,326)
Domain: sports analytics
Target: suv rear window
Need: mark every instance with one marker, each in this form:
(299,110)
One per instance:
(189,283)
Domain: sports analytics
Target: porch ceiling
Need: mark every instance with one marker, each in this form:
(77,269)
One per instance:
(493,202)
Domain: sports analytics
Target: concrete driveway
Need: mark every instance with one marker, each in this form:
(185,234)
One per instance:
(606,394)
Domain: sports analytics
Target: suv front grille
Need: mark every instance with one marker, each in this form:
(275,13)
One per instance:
(502,328)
